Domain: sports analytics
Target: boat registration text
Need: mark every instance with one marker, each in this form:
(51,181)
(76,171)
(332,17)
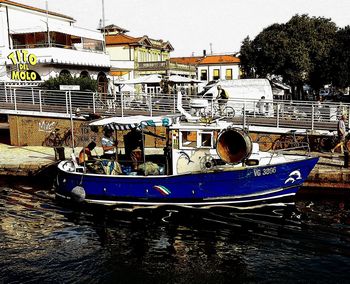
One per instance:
(265,171)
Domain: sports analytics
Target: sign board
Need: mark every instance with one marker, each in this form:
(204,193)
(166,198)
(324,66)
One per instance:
(23,61)
(69,87)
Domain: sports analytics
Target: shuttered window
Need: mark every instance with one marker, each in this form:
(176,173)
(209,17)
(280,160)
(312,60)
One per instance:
(228,75)
(216,74)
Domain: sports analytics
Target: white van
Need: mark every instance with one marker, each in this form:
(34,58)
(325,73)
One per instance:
(244,94)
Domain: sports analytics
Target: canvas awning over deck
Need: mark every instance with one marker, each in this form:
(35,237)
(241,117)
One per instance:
(129,122)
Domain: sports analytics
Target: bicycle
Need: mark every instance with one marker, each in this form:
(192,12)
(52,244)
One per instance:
(290,140)
(226,111)
(265,142)
(329,142)
(55,138)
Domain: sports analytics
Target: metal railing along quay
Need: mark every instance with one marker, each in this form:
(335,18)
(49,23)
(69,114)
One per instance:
(307,115)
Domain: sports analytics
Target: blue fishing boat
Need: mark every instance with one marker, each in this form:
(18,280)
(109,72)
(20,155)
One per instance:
(201,163)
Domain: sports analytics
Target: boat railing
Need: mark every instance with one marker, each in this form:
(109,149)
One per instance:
(300,149)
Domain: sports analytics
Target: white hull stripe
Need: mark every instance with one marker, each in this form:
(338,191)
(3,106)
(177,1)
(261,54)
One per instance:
(207,203)
(249,195)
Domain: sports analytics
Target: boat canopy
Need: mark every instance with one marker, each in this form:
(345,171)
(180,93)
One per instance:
(129,122)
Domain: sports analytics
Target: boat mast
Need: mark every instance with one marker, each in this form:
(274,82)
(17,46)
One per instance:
(143,145)
(47,23)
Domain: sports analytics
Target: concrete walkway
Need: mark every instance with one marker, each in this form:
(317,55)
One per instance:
(26,160)
(329,173)
(30,160)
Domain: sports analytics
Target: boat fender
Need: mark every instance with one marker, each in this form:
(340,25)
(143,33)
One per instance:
(78,193)
(234,145)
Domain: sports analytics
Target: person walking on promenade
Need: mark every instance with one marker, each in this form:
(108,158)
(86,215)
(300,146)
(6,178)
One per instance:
(341,134)
(261,105)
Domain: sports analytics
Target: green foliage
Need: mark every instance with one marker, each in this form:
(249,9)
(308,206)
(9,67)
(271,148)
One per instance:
(85,83)
(247,59)
(298,51)
(340,59)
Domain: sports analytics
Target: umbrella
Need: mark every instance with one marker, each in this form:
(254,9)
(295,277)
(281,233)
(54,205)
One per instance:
(153,78)
(181,79)
(127,88)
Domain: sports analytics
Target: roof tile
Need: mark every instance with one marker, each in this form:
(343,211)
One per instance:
(12,3)
(121,39)
(219,59)
(201,60)
(186,60)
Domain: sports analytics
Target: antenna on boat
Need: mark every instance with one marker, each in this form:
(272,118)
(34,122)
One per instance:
(69,89)
(71,120)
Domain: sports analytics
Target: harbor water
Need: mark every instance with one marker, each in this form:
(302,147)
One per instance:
(42,241)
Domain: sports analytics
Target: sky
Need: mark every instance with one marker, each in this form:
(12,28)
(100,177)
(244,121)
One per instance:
(192,26)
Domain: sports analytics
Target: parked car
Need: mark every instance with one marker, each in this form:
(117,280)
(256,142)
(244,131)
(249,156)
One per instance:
(325,93)
(340,97)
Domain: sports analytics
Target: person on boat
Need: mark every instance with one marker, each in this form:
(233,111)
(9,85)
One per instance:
(109,145)
(85,154)
(134,147)
(222,98)
(341,134)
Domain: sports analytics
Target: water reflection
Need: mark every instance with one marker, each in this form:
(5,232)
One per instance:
(43,241)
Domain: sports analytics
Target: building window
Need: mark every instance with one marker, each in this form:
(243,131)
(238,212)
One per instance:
(228,74)
(206,139)
(142,56)
(188,139)
(102,85)
(204,75)
(216,74)
(84,74)
(65,73)
(92,44)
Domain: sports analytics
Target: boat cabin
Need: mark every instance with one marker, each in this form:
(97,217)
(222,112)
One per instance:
(187,146)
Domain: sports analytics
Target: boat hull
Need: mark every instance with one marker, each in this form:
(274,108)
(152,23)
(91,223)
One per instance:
(244,187)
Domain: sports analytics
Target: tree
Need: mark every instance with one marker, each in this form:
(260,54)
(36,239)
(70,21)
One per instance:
(298,51)
(316,37)
(340,59)
(270,46)
(247,59)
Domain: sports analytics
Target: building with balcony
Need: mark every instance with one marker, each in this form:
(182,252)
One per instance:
(132,57)
(212,67)
(36,44)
